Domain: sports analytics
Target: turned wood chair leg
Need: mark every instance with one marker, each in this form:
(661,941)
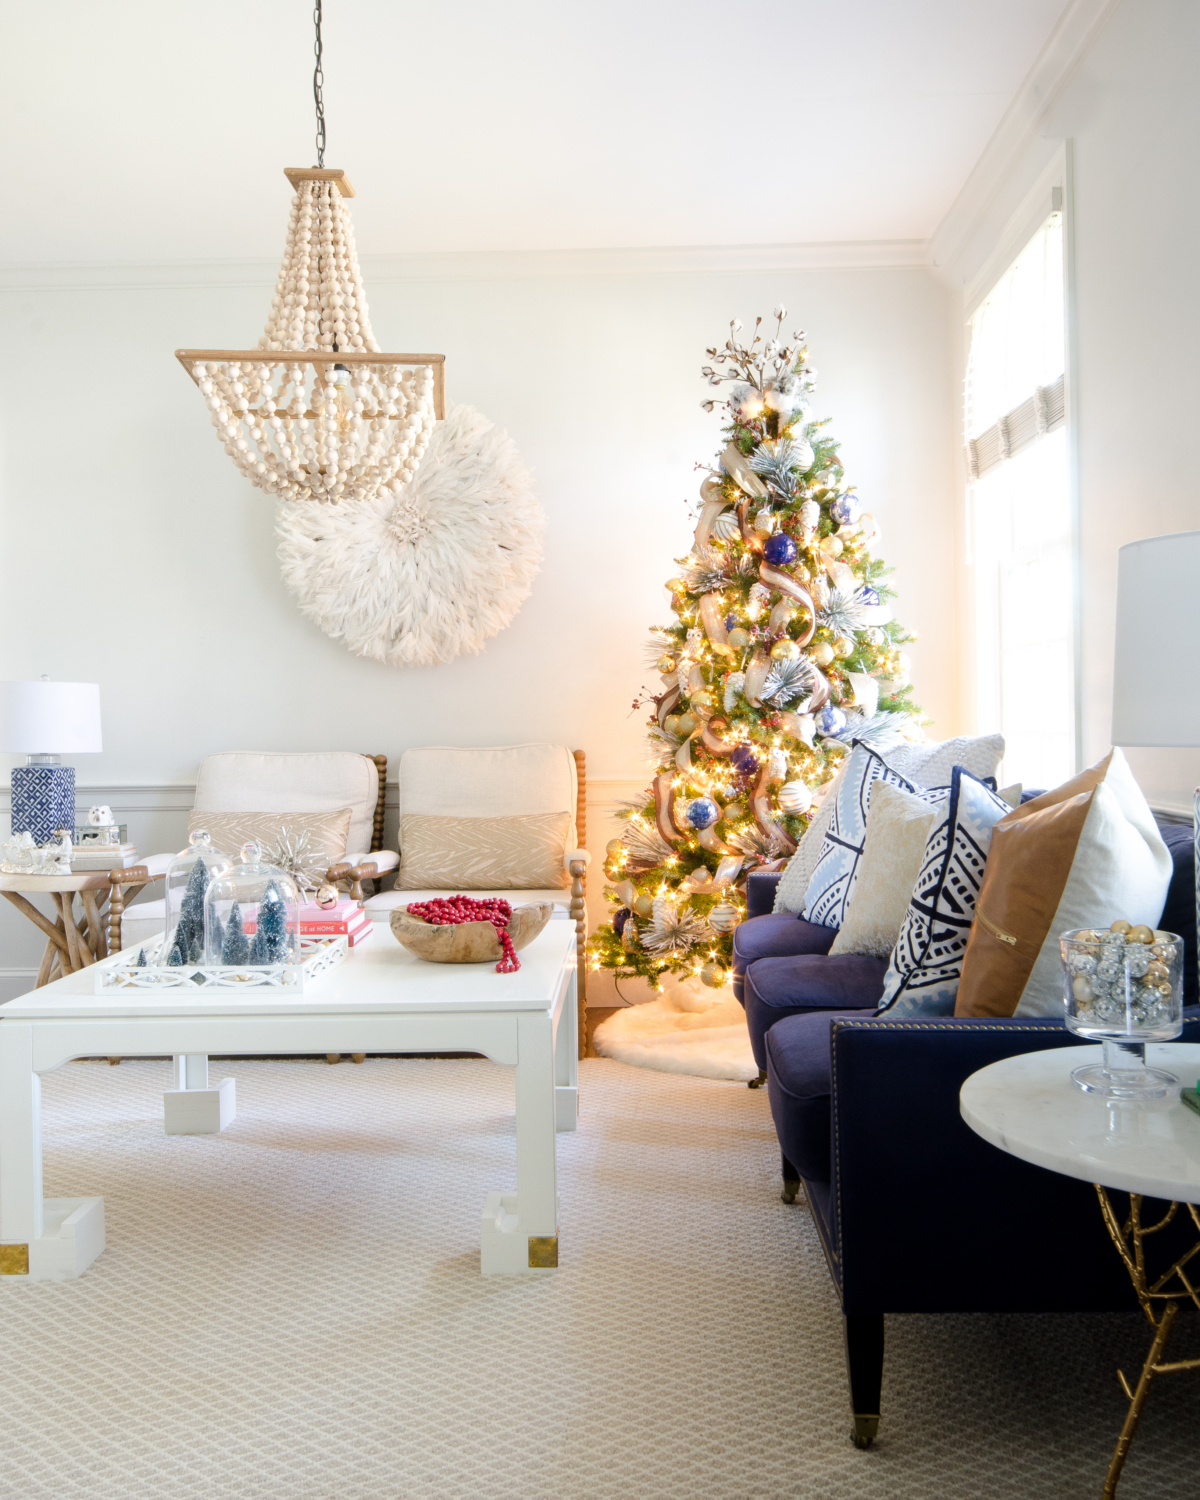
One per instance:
(333,1057)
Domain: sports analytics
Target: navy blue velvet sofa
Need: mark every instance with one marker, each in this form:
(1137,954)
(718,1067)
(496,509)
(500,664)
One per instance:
(915,1212)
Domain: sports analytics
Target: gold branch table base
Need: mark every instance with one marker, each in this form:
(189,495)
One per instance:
(1165,1293)
(1028,1106)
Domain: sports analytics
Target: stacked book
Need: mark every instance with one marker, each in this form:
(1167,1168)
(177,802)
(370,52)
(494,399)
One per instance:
(345,919)
(86,858)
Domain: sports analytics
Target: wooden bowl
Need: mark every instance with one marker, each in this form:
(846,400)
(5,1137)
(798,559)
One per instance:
(468,942)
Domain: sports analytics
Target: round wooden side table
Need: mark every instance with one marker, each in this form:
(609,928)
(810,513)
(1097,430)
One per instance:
(1029,1107)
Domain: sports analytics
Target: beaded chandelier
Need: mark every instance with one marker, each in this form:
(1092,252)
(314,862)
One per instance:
(317,411)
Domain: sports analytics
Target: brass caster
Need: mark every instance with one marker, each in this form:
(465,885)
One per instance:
(358,1057)
(791,1186)
(865,1429)
(333,1057)
(757,1083)
(113,1061)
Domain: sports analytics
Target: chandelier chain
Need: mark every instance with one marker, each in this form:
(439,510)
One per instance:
(319,86)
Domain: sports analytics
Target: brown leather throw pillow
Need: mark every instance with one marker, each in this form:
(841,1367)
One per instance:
(1029,862)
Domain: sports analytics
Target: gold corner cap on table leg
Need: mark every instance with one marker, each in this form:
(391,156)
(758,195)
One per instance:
(866,1428)
(543,1252)
(14,1260)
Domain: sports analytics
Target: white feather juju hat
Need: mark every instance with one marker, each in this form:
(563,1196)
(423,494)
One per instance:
(427,575)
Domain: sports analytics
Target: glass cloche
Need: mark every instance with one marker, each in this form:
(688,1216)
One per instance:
(252,914)
(188,877)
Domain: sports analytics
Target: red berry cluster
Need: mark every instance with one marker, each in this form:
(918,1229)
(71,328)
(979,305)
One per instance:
(449,911)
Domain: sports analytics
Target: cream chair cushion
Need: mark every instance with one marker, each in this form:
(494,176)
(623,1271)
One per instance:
(505,782)
(317,781)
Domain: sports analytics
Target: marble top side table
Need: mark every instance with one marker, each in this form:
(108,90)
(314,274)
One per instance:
(1029,1107)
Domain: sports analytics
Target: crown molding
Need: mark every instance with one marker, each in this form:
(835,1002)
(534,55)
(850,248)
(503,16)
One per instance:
(483,265)
(1020,125)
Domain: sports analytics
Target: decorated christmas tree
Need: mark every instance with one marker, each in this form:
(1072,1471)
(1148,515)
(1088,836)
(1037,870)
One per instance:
(782,653)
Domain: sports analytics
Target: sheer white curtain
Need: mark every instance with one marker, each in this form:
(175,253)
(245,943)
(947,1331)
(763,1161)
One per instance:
(1019,500)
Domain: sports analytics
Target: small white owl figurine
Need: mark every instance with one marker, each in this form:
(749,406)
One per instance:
(100,817)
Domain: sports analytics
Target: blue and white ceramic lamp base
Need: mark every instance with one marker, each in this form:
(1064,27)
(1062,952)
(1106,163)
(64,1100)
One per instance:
(43,800)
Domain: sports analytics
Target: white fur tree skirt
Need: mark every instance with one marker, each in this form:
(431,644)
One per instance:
(663,1034)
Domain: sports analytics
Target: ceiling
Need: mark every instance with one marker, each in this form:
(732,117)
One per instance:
(138,130)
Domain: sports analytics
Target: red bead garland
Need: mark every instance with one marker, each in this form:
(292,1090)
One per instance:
(449,911)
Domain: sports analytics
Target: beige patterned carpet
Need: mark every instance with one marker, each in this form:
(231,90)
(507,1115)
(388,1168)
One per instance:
(293,1310)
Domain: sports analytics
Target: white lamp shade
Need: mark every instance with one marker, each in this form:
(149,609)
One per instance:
(1158,626)
(50,718)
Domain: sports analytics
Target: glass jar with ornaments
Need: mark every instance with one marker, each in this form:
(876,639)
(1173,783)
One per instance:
(252,914)
(1123,986)
(188,877)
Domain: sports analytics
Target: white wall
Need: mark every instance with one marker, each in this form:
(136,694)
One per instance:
(1131,114)
(135,555)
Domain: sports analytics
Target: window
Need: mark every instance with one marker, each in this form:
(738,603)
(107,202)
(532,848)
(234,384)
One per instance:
(1020,512)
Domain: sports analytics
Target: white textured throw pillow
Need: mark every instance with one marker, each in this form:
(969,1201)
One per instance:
(933,763)
(792,884)
(898,825)
(1122,868)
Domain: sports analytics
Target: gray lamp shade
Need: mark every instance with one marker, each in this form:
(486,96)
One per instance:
(1158,619)
(50,718)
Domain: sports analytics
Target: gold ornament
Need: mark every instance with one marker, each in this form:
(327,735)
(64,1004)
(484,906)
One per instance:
(676,585)
(614,846)
(764,522)
(842,647)
(734,813)
(714,975)
(1139,934)
(666,663)
(327,896)
(643,905)
(671,723)
(821,653)
(687,722)
(785,650)
(739,639)
(723,917)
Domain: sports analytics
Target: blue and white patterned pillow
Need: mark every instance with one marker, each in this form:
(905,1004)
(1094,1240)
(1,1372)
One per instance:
(922,977)
(832,882)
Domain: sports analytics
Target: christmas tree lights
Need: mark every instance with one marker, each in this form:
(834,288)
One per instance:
(783,652)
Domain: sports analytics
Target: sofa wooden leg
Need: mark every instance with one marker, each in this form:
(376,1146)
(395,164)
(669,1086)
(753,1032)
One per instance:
(358,1057)
(791,1181)
(757,1083)
(864,1366)
(333,1057)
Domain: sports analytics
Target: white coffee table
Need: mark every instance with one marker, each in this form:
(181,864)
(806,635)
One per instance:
(381,999)
(1029,1107)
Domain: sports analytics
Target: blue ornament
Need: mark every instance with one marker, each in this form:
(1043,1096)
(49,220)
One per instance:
(830,720)
(745,760)
(730,622)
(868,595)
(846,509)
(703,813)
(779,550)
(620,917)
